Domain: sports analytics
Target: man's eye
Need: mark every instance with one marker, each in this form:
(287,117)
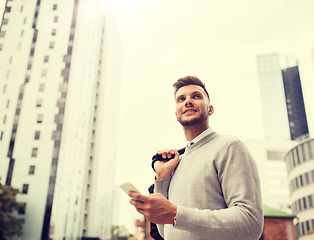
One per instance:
(197,96)
(181,99)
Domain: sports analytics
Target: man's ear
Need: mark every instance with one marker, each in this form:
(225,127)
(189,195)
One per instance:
(211,110)
(176,115)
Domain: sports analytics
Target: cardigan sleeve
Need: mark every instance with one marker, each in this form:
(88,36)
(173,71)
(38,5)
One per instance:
(243,217)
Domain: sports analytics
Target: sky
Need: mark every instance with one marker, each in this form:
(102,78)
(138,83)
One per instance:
(217,41)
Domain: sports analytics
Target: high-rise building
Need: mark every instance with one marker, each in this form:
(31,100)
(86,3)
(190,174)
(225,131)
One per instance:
(300,164)
(269,157)
(283,108)
(59,88)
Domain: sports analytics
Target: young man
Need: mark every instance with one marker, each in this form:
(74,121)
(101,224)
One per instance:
(212,191)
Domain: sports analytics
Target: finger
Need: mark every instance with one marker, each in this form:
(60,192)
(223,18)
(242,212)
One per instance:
(141,211)
(176,154)
(134,195)
(166,153)
(136,203)
(176,158)
(170,153)
(137,196)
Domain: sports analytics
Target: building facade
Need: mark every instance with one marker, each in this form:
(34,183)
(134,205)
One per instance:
(269,157)
(300,164)
(278,225)
(284,115)
(59,70)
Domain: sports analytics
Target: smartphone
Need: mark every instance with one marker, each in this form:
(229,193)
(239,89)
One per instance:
(126,187)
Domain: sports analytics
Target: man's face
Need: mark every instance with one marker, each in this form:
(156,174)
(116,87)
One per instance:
(192,105)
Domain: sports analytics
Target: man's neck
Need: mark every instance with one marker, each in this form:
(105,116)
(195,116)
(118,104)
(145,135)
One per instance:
(192,132)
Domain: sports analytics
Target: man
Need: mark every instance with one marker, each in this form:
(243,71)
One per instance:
(213,191)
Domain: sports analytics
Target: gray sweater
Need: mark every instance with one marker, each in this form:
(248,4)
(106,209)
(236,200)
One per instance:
(217,192)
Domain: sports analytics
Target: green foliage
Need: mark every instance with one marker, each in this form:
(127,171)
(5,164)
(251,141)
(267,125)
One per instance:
(119,232)
(9,225)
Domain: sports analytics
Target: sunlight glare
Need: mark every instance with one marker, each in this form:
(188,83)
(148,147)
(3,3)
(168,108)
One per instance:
(123,7)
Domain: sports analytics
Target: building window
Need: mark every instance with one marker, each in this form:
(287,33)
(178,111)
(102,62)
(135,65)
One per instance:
(8,73)
(8,103)
(37,135)
(51,45)
(46,59)
(53,32)
(22,33)
(7,9)
(307,179)
(4,88)
(2,34)
(31,170)
(21,9)
(4,119)
(40,119)
(5,21)
(10,61)
(21,208)
(34,152)
(41,87)
(24,20)
(32,51)
(14,128)
(1,136)
(39,102)
(55,19)
(1,46)
(25,189)
(44,73)
(301,180)
(54,7)
(304,203)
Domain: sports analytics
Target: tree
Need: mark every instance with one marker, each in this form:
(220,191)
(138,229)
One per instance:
(9,225)
(120,233)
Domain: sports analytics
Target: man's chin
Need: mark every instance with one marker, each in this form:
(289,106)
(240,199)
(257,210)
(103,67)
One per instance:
(192,121)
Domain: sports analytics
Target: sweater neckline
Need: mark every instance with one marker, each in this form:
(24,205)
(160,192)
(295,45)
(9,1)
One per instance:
(200,142)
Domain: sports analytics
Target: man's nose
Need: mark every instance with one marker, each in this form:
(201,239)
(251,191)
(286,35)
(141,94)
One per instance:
(188,102)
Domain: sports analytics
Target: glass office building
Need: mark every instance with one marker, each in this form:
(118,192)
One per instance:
(284,115)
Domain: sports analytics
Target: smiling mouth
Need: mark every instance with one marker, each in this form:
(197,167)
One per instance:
(189,111)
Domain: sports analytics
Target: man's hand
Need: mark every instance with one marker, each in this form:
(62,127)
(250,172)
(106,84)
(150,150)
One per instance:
(155,207)
(165,168)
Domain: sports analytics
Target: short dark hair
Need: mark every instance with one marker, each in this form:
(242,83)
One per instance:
(189,80)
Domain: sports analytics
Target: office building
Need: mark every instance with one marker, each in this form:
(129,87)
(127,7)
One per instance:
(59,73)
(269,156)
(284,115)
(300,164)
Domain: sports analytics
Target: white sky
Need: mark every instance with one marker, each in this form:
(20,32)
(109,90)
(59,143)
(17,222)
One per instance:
(217,41)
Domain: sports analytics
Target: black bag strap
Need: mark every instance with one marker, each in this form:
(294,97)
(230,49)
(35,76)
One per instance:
(158,157)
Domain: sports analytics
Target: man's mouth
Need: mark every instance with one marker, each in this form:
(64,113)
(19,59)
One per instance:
(189,111)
